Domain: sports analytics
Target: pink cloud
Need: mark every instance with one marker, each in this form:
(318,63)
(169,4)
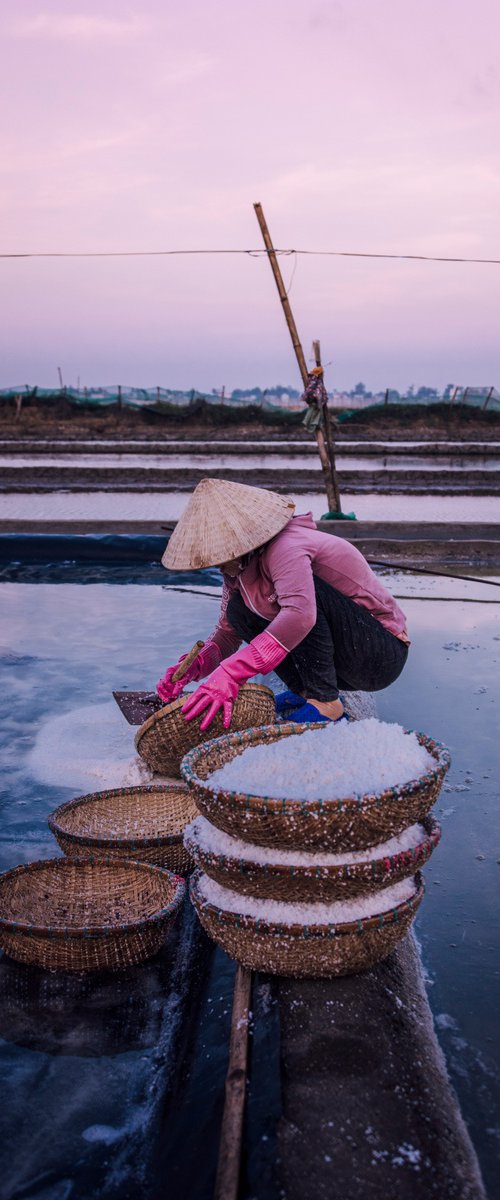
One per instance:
(79,26)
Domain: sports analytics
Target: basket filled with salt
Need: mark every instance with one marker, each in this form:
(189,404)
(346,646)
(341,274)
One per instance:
(306,940)
(291,876)
(166,736)
(334,787)
(143,822)
(73,914)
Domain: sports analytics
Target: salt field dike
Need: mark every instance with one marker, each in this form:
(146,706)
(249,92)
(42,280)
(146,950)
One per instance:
(423,483)
(261,967)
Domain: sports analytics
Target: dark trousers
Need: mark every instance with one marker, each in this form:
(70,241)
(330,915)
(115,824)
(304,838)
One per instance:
(347,648)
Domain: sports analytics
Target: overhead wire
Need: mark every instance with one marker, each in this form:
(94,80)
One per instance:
(292,276)
(258,253)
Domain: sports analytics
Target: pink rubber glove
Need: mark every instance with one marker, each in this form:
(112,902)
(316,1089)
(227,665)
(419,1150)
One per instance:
(263,654)
(205,662)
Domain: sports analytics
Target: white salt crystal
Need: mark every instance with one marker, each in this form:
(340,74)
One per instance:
(347,759)
(88,748)
(282,913)
(205,836)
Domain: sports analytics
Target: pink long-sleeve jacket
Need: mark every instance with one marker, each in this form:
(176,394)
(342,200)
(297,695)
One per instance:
(278,585)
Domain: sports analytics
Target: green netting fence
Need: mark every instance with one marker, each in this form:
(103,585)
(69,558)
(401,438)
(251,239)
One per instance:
(155,398)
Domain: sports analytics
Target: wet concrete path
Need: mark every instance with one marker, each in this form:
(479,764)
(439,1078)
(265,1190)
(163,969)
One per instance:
(368,1110)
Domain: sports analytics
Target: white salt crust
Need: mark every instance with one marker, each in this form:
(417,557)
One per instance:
(277,911)
(348,759)
(205,836)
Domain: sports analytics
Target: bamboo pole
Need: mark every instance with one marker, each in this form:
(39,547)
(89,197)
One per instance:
(229,1160)
(299,353)
(329,439)
(187,660)
(488,398)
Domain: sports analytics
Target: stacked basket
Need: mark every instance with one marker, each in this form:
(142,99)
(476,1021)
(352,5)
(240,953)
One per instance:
(111,901)
(308,888)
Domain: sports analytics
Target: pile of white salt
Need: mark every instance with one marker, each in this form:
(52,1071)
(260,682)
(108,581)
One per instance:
(282,913)
(202,835)
(347,759)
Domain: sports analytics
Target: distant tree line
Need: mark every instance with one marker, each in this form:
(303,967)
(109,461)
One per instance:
(412,393)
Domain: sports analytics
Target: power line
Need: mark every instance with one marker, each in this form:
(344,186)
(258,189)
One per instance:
(411,257)
(376,562)
(259,253)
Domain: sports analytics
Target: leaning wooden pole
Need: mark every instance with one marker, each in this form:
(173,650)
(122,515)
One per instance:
(229,1160)
(289,318)
(329,438)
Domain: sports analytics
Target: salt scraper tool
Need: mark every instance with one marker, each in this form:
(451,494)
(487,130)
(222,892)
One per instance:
(138,706)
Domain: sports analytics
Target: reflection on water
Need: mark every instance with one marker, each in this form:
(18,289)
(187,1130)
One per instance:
(89,1015)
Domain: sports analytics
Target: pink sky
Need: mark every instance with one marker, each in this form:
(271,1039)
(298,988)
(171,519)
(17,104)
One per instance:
(359,124)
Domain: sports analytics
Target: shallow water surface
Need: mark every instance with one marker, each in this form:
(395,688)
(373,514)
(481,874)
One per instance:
(168,506)
(65,647)
(307,460)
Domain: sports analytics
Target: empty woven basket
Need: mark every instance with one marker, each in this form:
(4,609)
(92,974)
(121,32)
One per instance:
(145,823)
(75,914)
(350,823)
(312,950)
(314,882)
(166,736)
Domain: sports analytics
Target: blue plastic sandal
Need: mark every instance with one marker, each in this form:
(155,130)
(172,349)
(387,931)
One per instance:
(285,701)
(309,713)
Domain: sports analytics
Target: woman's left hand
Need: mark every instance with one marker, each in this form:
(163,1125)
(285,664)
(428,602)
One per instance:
(263,654)
(220,691)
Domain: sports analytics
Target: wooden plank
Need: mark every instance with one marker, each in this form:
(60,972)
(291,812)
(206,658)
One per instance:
(229,1159)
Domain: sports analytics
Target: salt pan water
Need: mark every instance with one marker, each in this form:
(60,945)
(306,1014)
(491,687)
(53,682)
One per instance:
(64,648)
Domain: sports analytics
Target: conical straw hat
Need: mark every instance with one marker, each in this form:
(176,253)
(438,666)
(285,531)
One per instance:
(223,520)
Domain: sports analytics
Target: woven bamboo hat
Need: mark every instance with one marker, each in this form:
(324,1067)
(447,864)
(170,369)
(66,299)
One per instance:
(223,520)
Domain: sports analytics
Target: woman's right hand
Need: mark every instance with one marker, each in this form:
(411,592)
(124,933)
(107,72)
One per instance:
(205,662)
(166,689)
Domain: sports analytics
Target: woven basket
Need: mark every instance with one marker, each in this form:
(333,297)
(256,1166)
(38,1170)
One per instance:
(74,914)
(166,736)
(353,823)
(312,951)
(317,883)
(144,823)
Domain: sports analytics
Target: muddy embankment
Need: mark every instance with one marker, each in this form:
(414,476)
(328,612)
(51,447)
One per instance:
(140,479)
(59,418)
